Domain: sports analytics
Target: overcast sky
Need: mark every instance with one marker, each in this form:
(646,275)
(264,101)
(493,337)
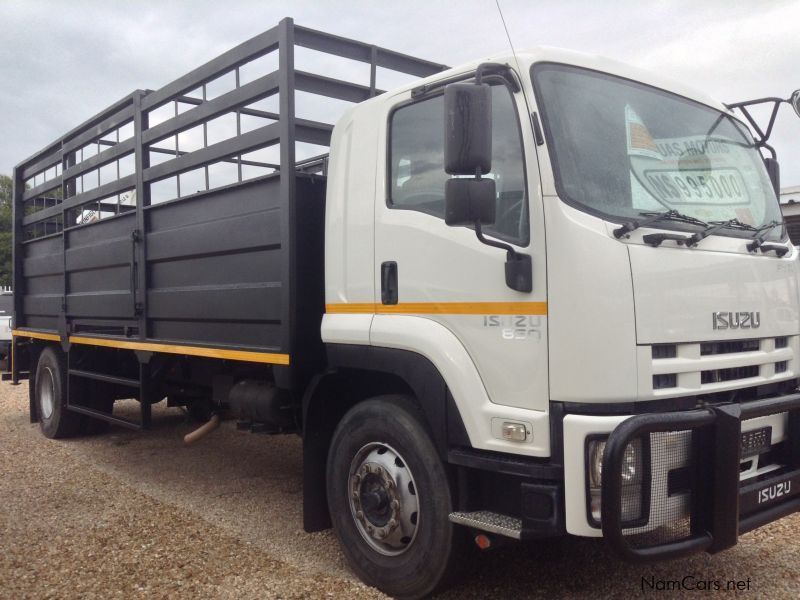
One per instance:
(61,61)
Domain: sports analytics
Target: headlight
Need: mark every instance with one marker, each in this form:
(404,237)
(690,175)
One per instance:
(632,468)
(596,450)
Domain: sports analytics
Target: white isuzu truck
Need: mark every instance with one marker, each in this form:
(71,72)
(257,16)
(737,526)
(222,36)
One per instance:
(536,295)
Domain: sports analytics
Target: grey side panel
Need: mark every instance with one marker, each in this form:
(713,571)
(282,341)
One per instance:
(40,299)
(214,267)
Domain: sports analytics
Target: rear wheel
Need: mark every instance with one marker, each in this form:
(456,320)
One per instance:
(390,499)
(55,420)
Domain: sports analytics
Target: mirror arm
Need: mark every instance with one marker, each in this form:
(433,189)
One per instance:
(484,240)
(519,267)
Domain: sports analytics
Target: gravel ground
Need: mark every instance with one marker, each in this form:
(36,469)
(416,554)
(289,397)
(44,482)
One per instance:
(133,514)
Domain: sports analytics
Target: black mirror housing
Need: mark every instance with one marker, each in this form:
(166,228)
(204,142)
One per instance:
(794,100)
(774,172)
(467,128)
(469,200)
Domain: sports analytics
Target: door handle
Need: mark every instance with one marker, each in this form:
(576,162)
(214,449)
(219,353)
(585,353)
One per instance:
(389,292)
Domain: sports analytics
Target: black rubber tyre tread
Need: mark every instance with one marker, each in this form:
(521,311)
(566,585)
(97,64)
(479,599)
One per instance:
(61,423)
(429,564)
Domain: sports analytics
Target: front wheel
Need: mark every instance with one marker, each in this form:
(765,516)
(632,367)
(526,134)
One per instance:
(390,499)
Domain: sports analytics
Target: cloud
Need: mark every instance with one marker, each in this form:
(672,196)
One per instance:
(60,66)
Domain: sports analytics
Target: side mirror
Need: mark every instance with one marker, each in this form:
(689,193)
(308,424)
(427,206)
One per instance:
(468,151)
(467,128)
(774,172)
(469,200)
(794,100)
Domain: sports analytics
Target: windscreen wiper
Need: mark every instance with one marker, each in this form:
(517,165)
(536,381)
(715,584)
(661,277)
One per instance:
(717,225)
(654,217)
(759,244)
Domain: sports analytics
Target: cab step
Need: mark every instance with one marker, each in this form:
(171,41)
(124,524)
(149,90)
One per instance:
(492,522)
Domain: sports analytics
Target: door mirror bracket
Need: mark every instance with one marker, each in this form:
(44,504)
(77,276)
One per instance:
(519,268)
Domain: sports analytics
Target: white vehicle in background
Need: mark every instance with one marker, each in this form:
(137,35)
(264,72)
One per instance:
(6,310)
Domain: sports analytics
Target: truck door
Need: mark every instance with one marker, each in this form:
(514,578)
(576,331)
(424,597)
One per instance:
(445,274)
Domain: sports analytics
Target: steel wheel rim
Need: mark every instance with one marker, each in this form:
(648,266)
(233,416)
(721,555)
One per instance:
(47,393)
(383,499)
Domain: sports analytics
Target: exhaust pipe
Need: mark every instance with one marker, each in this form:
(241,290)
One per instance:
(203,430)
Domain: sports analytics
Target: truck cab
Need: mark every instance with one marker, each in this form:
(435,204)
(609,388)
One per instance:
(662,280)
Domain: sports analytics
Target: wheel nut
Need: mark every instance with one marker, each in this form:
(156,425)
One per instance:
(360,515)
(392,525)
(395,505)
(370,528)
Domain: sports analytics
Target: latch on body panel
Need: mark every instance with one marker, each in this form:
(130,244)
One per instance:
(138,307)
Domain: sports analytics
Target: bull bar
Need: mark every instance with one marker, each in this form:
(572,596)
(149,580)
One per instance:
(721,507)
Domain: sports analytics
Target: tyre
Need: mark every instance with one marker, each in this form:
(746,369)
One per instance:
(389,499)
(49,389)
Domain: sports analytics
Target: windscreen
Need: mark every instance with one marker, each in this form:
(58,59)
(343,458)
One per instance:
(620,148)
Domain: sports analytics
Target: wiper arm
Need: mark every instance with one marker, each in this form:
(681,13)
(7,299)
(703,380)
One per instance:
(654,217)
(761,234)
(716,226)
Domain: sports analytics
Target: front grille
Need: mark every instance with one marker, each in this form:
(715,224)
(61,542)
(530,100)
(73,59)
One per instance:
(664,351)
(717,375)
(717,366)
(731,347)
(667,380)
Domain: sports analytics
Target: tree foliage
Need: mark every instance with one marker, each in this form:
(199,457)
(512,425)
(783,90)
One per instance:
(6,186)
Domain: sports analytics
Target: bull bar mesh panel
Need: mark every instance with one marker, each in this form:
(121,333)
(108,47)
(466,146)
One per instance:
(670,493)
(694,473)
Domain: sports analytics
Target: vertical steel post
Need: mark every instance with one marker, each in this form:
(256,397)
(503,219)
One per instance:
(287,174)
(142,162)
(17,281)
(68,189)
(373,71)
(144,388)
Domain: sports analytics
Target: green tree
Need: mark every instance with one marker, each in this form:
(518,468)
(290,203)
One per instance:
(6,186)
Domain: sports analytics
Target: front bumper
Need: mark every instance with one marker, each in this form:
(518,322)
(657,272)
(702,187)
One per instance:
(717,505)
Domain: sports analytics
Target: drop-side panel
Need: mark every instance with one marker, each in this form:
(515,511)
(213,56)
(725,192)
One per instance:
(214,268)
(100,274)
(42,263)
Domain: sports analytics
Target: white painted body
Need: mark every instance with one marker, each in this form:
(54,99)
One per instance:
(5,320)
(5,328)
(608,300)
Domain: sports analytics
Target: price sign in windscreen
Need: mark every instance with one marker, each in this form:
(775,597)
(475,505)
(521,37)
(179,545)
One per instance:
(708,174)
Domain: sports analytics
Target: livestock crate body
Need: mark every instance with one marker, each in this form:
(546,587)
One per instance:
(131,234)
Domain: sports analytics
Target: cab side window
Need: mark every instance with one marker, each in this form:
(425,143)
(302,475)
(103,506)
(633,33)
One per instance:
(417,176)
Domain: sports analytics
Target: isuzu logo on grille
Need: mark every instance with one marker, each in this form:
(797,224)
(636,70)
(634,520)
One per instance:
(736,320)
